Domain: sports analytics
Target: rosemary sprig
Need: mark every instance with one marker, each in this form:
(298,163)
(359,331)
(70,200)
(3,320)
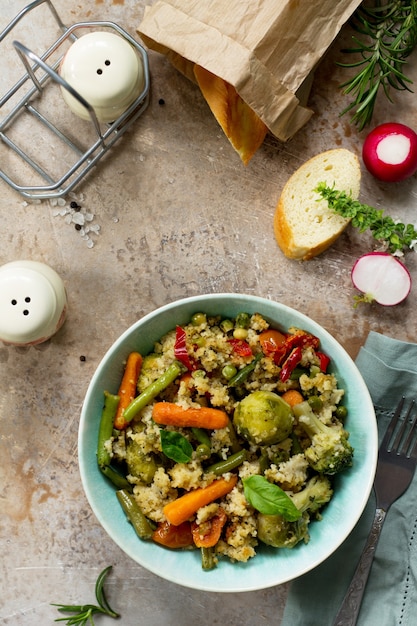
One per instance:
(395,236)
(83,613)
(387,36)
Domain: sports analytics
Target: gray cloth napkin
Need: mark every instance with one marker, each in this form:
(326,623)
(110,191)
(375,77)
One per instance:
(389,368)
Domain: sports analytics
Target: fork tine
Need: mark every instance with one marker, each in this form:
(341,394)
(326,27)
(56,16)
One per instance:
(392,425)
(396,445)
(411,435)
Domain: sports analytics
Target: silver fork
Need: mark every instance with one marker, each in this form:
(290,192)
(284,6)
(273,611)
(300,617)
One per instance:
(397,460)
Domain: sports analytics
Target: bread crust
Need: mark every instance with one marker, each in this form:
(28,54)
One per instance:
(325,225)
(241,125)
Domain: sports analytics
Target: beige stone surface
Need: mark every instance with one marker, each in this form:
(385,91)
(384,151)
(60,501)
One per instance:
(179,215)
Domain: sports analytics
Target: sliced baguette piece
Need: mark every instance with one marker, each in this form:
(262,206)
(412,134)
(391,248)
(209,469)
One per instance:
(304,225)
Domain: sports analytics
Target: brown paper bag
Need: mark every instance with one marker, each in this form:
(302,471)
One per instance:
(266,49)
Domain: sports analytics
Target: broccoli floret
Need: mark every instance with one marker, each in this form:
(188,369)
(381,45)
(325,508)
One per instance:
(329,451)
(315,494)
(276,531)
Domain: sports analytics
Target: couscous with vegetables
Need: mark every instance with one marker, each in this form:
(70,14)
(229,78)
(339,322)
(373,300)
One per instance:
(225,437)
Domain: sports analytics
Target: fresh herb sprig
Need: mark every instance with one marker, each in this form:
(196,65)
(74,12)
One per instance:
(395,236)
(387,34)
(83,614)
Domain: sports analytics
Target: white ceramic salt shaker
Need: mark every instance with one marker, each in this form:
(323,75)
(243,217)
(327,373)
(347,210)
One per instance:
(106,71)
(33,303)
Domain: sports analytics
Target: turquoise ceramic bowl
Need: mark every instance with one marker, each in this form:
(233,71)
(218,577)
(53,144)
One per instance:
(270,567)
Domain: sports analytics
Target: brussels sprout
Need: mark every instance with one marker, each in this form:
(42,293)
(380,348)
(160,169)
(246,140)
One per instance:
(275,531)
(263,418)
(139,464)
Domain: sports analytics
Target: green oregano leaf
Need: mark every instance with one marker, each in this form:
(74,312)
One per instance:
(269,499)
(175,446)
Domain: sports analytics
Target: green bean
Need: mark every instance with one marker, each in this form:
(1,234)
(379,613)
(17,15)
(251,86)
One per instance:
(234,441)
(242,320)
(232,461)
(105,432)
(198,374)
(264,462)
(242,374)
(297,372)
(226,326)
(208,560)
(171,373)
(134,514)
(117,479)
(203,452)
(296,447)
(202,436)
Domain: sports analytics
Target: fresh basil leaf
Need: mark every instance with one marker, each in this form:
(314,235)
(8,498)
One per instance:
(175,446)
(269,499)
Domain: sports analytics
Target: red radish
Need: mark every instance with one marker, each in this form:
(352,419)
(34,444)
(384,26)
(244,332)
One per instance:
(382,278)
(390,152)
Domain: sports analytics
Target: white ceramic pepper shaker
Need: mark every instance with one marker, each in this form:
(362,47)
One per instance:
(33,303)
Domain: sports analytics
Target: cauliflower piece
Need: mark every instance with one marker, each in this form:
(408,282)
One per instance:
(291,475)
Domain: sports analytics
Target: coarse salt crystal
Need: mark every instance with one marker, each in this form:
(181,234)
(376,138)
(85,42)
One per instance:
(78,218)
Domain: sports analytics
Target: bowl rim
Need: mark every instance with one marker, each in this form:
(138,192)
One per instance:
(97,488)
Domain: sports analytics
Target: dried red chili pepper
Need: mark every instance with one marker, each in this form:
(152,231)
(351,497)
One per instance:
(290,363)
(324,361)
(240,347)
(180,349)
(303,339)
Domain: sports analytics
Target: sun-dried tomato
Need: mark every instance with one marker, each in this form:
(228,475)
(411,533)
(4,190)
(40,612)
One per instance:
(240,347)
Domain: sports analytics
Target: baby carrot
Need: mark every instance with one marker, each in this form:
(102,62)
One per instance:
(292,397)
(184,507)
(153,389)
(171,414)
(127,389)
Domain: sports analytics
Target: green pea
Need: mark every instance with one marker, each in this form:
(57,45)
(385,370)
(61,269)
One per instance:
(341,413)
(229,371)
(240,333)
(316,403)
(200,342)
(198,318)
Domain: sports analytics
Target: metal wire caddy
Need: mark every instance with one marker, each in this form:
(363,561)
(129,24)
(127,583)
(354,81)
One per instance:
(40,75)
